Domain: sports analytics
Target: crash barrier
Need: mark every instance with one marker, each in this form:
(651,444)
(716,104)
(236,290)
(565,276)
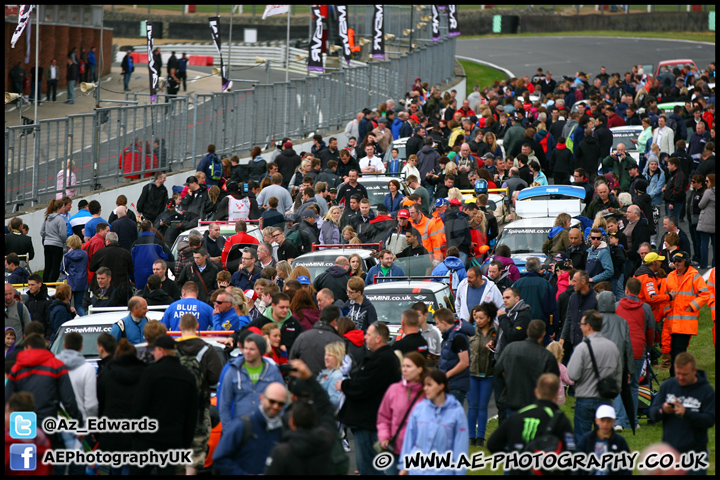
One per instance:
(116,144)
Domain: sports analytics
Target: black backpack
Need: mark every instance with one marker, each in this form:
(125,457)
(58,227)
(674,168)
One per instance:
(547,442)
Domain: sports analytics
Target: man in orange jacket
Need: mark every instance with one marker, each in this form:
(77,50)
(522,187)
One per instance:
(689,293)
(711,302)
(436,231)
(650,293)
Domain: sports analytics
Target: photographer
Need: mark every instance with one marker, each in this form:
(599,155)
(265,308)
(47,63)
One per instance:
(618,163)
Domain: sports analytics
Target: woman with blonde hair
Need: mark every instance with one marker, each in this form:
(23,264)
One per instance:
(348,233)
(275,349)
(557,350)
(74,266)
(283,272)
(356,266)
(241,307)
(330,230)
(329,376)
(491,141)
(454,193)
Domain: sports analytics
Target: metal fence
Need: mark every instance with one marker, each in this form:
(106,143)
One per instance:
(116,144)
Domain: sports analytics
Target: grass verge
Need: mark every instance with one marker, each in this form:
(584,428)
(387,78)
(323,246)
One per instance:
(478,74)
(692,36)
(701,346)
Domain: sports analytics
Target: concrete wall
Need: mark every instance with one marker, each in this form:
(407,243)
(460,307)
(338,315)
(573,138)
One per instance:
(132,190)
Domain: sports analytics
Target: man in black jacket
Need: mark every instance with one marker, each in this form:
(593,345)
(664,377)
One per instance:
(202,272)
(125,228)
(197,199)
(415,143)
(38,303)
(120,263)
(310,345)
(364,393)
(153,198)
(154,294)
(637,232)
(335,278)
(521,365)
(17,242)
(512,433)
(577,251)
(161,385)
(287,161)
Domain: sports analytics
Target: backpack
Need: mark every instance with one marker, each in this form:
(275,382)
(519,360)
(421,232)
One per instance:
(296,239)
(215,168)
(192,364)
(547,442)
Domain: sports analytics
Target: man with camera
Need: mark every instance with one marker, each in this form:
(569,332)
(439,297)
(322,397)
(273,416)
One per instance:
(619,163)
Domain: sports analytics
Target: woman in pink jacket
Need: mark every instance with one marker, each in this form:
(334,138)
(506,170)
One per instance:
(399,398)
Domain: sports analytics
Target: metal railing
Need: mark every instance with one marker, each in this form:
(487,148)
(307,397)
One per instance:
(115,144)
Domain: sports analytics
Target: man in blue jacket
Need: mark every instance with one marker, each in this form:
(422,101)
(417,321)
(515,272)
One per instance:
(145,250)
(599,265)
(132,327)
(234,455)
(212,168)
(76,225)
(381,272)
(686,406)
(244,378)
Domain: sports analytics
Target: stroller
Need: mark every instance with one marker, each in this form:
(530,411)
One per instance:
(646,389)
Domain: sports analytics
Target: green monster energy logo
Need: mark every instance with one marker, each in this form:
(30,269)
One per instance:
(530,429)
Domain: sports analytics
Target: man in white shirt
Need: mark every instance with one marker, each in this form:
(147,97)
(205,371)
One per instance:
(52,80)
(664,136)
(371,163)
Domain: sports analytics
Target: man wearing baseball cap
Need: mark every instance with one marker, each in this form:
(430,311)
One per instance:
(603,439)
(655,296)
(396,241)
(161,385)
(689,294)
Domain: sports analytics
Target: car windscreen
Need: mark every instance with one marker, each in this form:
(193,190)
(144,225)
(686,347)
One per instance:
(626,138)
(420,266)
(90,335)
(401,153)
(389,306)
(524,240)
(376,192)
